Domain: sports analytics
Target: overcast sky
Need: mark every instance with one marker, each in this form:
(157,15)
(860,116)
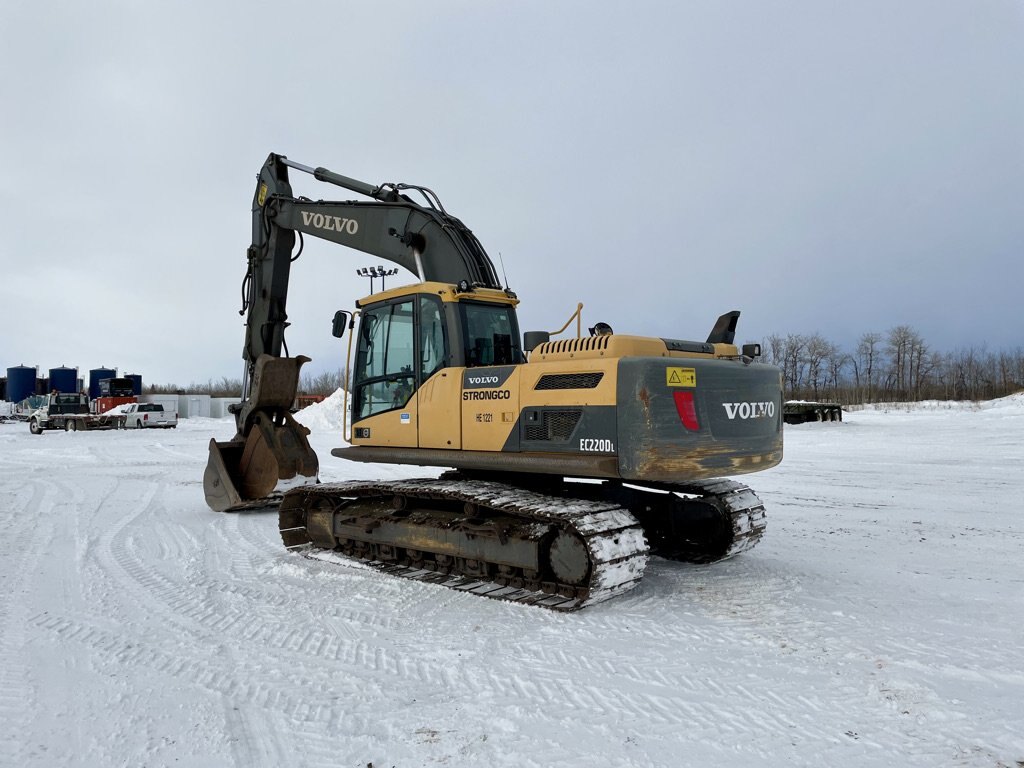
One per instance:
(832,167)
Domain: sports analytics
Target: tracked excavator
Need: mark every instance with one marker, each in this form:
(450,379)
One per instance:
(567,462)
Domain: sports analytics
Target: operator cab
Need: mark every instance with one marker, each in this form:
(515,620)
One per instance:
(406,336)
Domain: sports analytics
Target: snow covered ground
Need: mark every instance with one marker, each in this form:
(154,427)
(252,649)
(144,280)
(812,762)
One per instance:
(879,623)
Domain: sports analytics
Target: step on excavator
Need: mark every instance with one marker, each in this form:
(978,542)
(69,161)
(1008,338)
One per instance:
(561,465)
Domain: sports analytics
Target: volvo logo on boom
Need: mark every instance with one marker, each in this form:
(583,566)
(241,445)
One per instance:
(764,410)
(330,223)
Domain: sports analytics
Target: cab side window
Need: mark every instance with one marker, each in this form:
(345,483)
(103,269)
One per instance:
(433,353)
(384,376)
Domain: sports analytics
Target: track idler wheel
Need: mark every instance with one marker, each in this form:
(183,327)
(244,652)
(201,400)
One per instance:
(569,559)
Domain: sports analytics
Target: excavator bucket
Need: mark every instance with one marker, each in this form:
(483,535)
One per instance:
(270,454)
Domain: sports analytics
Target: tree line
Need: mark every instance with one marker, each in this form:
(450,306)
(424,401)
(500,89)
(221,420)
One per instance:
(894,366)
(884,367)
(325,383)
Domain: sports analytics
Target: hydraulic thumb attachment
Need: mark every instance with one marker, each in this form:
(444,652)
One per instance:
(270,453)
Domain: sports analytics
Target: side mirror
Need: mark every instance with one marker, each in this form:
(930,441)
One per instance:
(533,339)
(752,350)
(340,321)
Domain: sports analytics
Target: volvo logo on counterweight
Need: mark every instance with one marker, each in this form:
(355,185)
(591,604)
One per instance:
(749,410)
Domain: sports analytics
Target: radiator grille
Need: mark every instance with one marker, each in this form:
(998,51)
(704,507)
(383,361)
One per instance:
(554,425)
(570,380)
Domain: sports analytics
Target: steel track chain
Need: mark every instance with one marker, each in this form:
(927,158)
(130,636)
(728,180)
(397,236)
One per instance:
(744,509)
(613,538)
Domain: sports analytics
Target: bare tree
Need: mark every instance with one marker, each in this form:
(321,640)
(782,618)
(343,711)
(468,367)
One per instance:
(835,361)
(324,383)
(815,352)
(792,367)
(772,350)
(866,362)
(906,355)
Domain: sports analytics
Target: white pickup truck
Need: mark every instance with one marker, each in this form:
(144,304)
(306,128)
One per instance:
(143,415)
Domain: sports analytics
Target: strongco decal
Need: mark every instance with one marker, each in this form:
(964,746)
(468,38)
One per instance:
(500,394)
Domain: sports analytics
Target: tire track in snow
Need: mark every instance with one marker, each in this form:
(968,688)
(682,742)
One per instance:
(300,649)
(295,702)
(21,541)
(655,697)
(265,553)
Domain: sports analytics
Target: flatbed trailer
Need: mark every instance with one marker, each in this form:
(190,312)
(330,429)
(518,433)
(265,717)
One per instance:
(70,412)
(802,411)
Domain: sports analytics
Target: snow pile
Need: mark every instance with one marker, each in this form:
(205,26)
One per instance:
(1007,405)
(325,416)
(917,405)
(1010,405)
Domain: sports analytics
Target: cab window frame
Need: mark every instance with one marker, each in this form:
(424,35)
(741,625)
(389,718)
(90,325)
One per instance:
(515,352)
(414,377)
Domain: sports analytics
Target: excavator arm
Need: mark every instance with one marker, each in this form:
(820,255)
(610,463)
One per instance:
(270,452)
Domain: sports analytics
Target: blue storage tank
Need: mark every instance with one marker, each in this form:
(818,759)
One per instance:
(21,383)
(136,383)
(64,379)
(95,376)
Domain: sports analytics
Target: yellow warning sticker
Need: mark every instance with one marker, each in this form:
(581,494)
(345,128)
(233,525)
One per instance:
(261,198)
(681,377)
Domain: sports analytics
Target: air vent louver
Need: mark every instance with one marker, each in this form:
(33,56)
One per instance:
(570,380)
(589,344)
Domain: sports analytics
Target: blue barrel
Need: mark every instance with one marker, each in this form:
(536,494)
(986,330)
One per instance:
(136,382)
(21,383)
(96,375)
(64,379)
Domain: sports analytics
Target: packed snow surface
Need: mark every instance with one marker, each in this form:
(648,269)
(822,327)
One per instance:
(879,623)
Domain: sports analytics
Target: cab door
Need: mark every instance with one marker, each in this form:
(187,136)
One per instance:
(404,394)
(438,396)
(384,376)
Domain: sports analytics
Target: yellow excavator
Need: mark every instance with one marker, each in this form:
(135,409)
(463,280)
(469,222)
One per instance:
(568,462)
